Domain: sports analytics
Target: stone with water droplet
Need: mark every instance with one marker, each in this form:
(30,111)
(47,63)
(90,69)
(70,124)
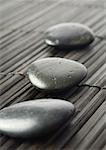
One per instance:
(35,118)
(54,74)
(69,35)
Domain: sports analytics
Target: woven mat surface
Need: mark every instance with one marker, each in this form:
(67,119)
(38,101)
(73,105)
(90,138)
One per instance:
(22,23)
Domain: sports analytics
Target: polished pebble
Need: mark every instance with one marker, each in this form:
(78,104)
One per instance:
(35,118)
(69,35)
(56,74)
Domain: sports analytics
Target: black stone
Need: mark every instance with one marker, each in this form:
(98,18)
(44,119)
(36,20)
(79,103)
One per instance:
(69,35)
(35,118)
(56,74)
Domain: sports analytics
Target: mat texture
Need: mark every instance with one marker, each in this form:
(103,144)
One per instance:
(22,23)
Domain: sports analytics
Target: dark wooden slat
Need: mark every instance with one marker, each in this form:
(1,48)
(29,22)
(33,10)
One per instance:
(87,129)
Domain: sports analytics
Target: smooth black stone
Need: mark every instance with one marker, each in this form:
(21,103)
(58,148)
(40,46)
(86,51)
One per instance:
(35,118)
(56,74)
(69,35)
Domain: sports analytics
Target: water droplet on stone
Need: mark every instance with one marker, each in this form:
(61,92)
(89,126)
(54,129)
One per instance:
(35,118)
(69,35)
(51,74)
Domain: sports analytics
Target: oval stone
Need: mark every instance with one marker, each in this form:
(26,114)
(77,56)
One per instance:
(35,118)
(53,74)
(69,35)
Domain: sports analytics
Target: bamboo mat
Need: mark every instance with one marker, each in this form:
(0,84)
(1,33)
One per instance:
(22,23)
